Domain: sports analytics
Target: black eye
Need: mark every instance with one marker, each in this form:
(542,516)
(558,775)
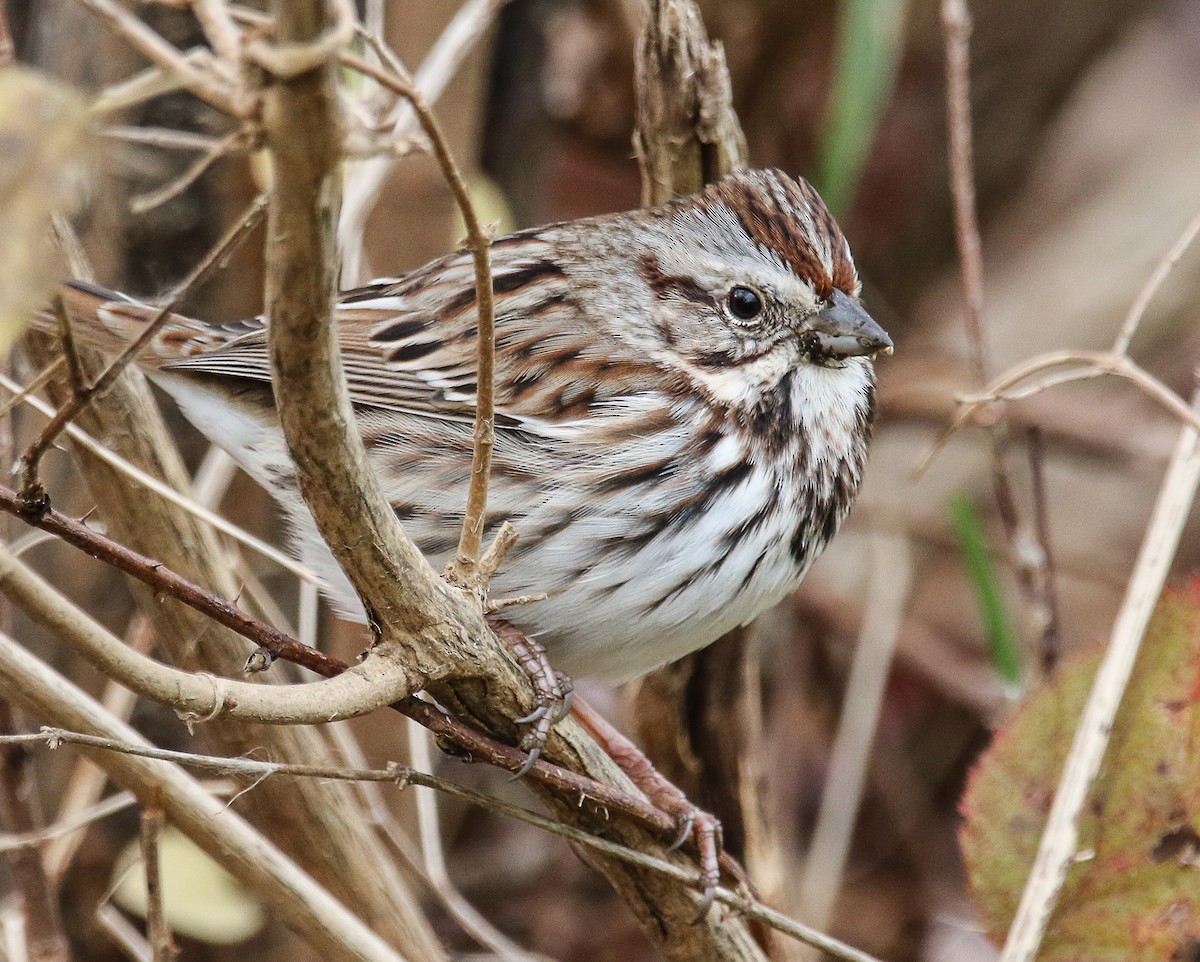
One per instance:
(745,303)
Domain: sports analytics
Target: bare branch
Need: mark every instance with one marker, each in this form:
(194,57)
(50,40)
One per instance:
(956,22)
(157,931)
(360,689)
(297,49)
(408,606)
(1029,565)
(403,777)
(1060,837)
(18,808)
(220,30)
(1164,267)
(364,181)
(148,481)
(62,828)
(862,703)
(465,570)
(1081,365)
(256,863)
(194,171)
(189,68)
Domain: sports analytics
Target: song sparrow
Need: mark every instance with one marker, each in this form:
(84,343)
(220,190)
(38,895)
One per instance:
(684,396)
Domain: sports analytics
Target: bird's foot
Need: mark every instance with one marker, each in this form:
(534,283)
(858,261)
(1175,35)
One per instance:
(703,828)
(555,692)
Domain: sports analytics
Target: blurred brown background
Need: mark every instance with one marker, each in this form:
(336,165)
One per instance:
(1087,123)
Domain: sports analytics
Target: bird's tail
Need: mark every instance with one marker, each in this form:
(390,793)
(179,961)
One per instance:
(109,322)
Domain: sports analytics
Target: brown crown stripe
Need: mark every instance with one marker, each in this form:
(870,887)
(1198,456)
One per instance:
(760,216)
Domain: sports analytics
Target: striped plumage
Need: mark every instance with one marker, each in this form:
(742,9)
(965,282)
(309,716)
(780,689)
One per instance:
(672,468)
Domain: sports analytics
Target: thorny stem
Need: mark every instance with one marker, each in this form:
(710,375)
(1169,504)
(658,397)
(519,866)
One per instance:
(403,776)
(275,644)
(34,497)
(465,569)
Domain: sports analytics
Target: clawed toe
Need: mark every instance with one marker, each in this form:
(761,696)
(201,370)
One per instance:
(530,760)
(536,715)
(554,691)
(686,822)
(705,830)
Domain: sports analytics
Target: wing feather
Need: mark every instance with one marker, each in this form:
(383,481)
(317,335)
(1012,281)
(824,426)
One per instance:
(409,345)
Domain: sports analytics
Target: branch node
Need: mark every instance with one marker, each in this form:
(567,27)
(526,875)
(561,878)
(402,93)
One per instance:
(222,702)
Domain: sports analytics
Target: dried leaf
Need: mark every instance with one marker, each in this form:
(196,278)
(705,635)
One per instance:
(43,139)
(1135,892)
(200,899)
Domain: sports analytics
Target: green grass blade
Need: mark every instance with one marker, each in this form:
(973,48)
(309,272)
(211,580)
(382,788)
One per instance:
(869,39)
(1001,639)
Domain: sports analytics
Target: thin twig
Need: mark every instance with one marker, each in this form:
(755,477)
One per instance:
(123,933)
(862,702)
(382,817)
(288,60)
(474,745)
(364,181)
(72,248)
(956,22)
(434,861)
(159,578)
(1088,364)
(195,170)
(220,30)
(191,69)
(31,489)
(158,932)
(165,137)
(69,352)
(1050,630)
(373,683)
(1164,267)
(194,507)
(290,893)
(147,85)
(1060,837)
(18,807)
(465,569)
(87,781)
(64,827)
(404,776)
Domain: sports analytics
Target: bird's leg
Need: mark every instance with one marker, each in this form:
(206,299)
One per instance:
(556,699)
(704,828)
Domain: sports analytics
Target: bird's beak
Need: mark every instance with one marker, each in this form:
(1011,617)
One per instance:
(844,329)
